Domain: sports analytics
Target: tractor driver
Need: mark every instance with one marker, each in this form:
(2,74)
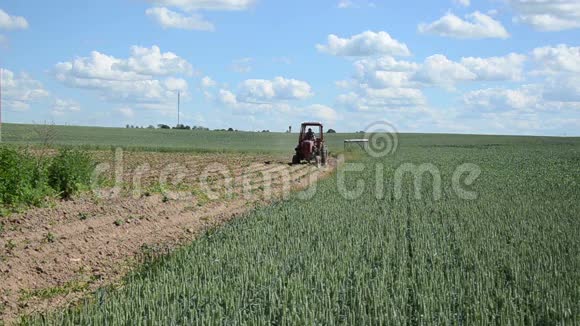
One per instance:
(310,134)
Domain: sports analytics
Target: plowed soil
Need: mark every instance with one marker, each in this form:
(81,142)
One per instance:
(51,257)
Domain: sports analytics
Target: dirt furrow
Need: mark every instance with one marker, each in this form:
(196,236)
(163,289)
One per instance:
(53,256)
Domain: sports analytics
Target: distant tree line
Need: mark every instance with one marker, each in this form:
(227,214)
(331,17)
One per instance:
(202,128)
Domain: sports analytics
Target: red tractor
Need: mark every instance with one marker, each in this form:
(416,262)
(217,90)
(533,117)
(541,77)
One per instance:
(311,144)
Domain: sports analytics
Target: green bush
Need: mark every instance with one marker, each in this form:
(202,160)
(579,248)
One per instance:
(22,179)
(29,180)
(70,171)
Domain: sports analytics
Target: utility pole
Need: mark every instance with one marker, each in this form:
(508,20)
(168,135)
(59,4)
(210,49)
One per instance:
(178,106)
(0,104)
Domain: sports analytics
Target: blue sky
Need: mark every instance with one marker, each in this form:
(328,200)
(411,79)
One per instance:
(493,66)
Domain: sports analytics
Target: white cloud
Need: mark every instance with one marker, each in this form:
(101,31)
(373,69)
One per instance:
(553,60)
(565,88)
(126,112)
(499,99)
(20,90)
(320,112)
(476,26)
(150,61)
(171,19)
(207,82)
(365,44)
(560,65)
(135,79)
(509,67)
(12,22)
(384,72)
(192,21)
(242,66)
(280,88)
(175,84)
(563,95)
(384,83)
(368,99)
(227,97)
(193,5)
(61,107)
(440,71)
(345,4)
(547,15)
(464,3)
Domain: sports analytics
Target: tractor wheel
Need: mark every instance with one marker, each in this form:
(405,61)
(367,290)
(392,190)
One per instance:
(323,157)
(295,160)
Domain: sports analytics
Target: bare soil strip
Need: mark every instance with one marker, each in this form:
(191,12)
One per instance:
(51,257)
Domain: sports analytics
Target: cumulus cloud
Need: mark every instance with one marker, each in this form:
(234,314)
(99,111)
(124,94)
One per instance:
(280,88)
(440,71)
(564,89)
(365,44)
(126,112)
(500,99)
(151,61)
(61,107)
(558,59)
(509,67)
(384,71)
(368,99)
(560,66)
(545,15)
(147,77)
(464,3)
(321,112)
(170,19)
(193,5)
(437,70)
(475,26)
(563,95)
(208,82)
(12,22)
(20,90)
(385,83)
(227,97)
(345,4)
(272,100)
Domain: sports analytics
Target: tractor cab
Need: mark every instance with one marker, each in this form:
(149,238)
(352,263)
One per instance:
(311,144)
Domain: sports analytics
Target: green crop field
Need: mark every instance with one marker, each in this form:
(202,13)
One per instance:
(508,254)
(224,141)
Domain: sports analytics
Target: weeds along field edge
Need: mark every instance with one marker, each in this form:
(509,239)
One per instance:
(510,255)
(28,179)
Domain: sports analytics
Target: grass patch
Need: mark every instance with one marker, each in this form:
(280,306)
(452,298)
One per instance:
(53,292)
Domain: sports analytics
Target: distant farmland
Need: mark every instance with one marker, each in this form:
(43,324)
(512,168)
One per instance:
(419,244)
(225,141)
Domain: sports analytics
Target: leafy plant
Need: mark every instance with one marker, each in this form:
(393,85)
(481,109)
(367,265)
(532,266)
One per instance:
(49,237)
(70,171)
(22,179)
(10,245)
